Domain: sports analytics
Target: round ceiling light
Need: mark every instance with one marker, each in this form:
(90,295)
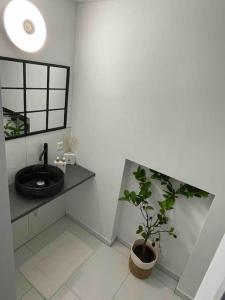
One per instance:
(25,25)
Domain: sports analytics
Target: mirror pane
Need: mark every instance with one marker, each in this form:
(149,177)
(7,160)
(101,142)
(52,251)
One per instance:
(56,119)
(36,100)
(58,77)
(11,74)
(36,76)
(57,99)
(14,123)
(36,121)
(13,100)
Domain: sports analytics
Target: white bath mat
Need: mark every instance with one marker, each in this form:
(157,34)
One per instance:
(49,269)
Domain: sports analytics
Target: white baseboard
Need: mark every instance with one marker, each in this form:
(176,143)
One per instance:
(91,231)
(126,244)
(168,272)
(182,294)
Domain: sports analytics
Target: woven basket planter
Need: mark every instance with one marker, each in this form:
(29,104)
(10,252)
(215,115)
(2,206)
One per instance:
(138,268)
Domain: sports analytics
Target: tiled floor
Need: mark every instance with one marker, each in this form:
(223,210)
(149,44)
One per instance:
(103,276)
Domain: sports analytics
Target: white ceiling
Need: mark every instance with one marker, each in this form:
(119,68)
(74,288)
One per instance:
(88,0)
(84,0)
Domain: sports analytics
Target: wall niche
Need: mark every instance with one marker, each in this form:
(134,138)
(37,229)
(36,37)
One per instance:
(188,218)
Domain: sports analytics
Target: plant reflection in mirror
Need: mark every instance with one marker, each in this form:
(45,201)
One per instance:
(13,128)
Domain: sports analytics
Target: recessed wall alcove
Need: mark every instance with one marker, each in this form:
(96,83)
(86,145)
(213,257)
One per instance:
(188,218)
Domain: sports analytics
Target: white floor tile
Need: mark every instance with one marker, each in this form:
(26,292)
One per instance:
(164,278)
(32,295)
(101,276)
(22,285)
(22,255)
(121,248)
(52,232)
(66,224)
(150,288)
(93,242)
(53,265)
(65,294)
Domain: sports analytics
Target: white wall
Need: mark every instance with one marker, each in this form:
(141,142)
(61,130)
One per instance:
(149,86)
(59,49)
(26,151)
(188,218)
(7,272)
(213,284)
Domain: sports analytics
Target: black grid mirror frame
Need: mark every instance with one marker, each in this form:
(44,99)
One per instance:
(48,88)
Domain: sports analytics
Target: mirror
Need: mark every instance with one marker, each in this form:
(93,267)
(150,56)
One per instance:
(56,118)
(34,96)
(36,121)
(11,74)
(36,76)
(36,100)
(57,99)
(58,78)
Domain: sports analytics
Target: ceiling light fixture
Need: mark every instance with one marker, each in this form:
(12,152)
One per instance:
(25,25)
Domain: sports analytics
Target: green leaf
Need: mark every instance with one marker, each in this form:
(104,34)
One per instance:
(133,197)
(144,235)
(126,193)
(167,204)
(140,229)
(148,207)
(140,174)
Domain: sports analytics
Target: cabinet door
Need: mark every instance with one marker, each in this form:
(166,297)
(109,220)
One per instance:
(20,232)
(45,216)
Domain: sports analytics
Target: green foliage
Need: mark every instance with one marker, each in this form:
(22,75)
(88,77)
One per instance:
(12,129)
(156,218)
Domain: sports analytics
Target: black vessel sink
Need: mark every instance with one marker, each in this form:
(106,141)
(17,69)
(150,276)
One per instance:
(39,181)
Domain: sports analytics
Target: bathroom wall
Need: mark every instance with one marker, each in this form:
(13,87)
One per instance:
(59,49)
(7,271)
(149,87)
(188,218)
(26,151)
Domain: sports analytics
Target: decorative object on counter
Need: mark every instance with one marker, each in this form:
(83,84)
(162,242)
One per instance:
(145,251)
(71,149)
(71,158)
(60,163)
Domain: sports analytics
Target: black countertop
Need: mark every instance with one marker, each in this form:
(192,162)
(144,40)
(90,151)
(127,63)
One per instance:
(21,206)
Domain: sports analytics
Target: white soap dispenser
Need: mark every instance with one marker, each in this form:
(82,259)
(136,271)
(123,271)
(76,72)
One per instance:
(62,164)
(56,161)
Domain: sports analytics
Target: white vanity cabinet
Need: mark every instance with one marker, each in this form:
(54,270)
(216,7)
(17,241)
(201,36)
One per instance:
(20,232)
(31,216)
(32,224)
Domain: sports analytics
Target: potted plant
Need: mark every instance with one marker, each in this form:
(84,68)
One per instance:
(145,251)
